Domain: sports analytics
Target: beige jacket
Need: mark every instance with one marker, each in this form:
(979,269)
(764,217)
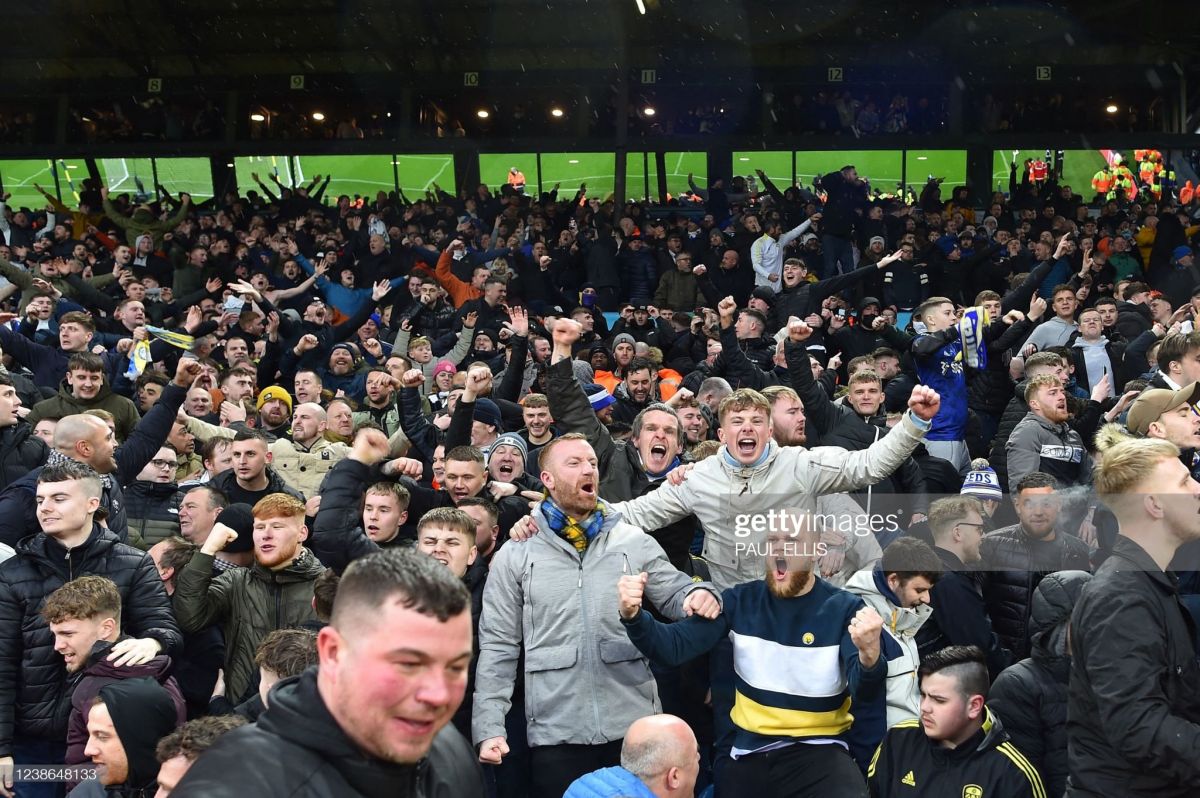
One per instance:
(302,469)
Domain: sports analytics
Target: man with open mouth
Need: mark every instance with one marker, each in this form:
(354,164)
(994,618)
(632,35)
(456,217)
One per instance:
(584,683)
(791,733)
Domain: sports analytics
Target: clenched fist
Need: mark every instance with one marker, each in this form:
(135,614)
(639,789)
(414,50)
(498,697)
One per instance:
(630,590)
(924,402)
(864,630)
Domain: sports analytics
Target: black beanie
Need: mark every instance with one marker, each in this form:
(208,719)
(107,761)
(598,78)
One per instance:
(239,518)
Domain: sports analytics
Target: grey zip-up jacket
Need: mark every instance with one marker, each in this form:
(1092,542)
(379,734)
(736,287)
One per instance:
(584,681)
(733,503)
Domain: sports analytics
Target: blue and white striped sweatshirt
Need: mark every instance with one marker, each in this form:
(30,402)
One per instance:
(796,670)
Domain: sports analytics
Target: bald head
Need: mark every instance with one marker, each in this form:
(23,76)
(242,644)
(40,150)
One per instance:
(308,423)
(662,752)
(72,429)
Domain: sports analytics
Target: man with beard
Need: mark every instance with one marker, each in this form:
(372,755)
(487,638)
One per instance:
(249,603)
(637,391)
(1019,556)
(629,469)
(274,410)
(790,733)
(1133,713)
(1043,441)
(587,698)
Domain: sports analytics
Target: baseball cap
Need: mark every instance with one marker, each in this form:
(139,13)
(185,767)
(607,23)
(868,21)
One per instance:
(1152,403)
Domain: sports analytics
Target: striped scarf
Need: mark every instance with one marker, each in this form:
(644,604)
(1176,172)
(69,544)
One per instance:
(971,328)
(578,532)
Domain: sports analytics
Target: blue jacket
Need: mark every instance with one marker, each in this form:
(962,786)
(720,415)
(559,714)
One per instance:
(608,783)
(939,360)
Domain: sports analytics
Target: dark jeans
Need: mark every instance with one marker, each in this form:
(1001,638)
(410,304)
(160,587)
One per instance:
(721,683)
(511,778)
(837,256)
(797,771)
(556,766)
(39,752)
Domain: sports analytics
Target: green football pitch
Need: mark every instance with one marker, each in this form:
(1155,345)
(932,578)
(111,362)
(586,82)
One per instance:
(364,175)
(1078,168)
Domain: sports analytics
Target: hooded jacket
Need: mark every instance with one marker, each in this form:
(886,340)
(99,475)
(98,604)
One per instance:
(988,764)
(125,413)
(1031,696)
(900,625)
(719,491)
(1037,444)
(249,603)
(142,713)
(99,672)
(34,701)
(312,757)
(1133,717)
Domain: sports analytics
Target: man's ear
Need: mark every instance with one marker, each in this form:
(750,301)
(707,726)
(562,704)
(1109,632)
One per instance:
(270,455)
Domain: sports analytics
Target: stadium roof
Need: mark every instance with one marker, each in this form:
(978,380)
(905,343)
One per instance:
(97,40)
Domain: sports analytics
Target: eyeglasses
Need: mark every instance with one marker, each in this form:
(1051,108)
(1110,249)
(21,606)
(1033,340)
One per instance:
(968,523)
(163,463)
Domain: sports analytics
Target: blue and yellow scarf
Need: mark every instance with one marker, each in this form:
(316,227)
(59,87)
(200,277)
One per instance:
(578,532)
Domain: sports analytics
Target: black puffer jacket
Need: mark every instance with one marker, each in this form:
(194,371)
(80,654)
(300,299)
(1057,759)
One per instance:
(152,512)
(432,322)
(1015,564)
(20,452)
(1031,696)
(312,756)
(34,703)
